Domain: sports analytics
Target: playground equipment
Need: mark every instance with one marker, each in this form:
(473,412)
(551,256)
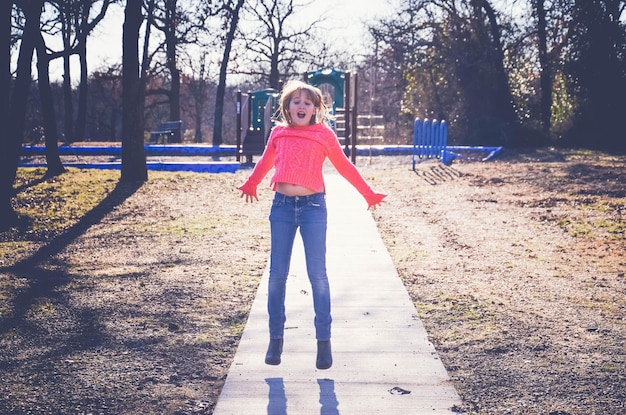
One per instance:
(339,90)
(340,96)
(430,139)
(254,111)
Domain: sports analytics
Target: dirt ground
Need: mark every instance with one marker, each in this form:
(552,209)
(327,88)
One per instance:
(516,267)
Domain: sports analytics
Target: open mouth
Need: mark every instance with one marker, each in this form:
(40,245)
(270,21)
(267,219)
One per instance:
(301,114)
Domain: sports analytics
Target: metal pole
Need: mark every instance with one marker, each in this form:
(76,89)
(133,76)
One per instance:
(355,126)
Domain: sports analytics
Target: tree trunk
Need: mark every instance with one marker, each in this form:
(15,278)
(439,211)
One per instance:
(274,78)
(19,101)
(171,41)
(133,153)
(145,52)
(55,167)
(67,81)
(7,176)
(504,99)
(175,102)
(221,86)
(198,110)
(199,99)
(81,114)
(145,55)
(546,70)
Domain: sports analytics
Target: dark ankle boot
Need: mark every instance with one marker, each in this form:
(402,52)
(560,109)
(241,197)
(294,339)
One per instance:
(274,350)
(324,355)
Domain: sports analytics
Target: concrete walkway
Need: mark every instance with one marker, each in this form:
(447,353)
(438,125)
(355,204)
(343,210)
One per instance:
(383,361)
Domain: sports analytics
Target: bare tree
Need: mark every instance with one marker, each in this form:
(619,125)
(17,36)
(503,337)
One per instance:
(544,63)
(53,161)
(67,16)
(196,93)
(86,25)
(9,145)
(171,42)
(19,100)
(178,27)
(145,51)
(134,166)
(73,21)
(502,92)
(274,46)
(231,15)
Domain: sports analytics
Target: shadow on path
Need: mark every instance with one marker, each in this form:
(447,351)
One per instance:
(277,398)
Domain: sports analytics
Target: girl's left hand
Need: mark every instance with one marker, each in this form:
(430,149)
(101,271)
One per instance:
(374,200)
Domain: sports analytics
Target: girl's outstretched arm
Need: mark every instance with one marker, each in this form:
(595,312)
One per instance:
(352,174)
(263,166)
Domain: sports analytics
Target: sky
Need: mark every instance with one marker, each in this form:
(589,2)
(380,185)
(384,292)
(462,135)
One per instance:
(344,20)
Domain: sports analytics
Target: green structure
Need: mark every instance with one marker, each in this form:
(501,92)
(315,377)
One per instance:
(259,105)
(335,79)
(340,96)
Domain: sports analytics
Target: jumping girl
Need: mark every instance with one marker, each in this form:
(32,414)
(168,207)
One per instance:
(297,148)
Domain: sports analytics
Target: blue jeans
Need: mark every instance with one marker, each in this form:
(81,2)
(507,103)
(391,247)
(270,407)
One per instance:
(289,213)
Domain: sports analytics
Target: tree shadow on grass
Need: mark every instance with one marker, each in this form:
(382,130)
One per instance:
(32,183)
(41,328)
(598,180)
(120,193)
(43,283)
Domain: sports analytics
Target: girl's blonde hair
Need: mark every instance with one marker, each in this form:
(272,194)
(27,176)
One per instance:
(314,94)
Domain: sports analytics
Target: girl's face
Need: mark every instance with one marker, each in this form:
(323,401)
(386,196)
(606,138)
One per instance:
(301,109)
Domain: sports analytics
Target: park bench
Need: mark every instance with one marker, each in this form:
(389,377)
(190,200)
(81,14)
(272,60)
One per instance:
(165,131)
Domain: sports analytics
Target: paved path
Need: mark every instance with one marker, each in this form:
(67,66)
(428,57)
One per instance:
(380,348)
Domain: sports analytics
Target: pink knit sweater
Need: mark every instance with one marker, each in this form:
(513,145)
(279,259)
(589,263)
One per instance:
(298,155)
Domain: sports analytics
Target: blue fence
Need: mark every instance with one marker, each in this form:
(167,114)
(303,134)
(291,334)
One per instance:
(430,140)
